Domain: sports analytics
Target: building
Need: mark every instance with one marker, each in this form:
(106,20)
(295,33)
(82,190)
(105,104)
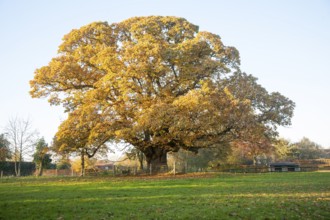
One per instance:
(284,167)
(104,166)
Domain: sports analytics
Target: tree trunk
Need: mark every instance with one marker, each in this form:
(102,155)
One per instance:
(16,168)
(40,169)
(82,163)
(19,168)
(156,159)
(20,159)
(141,164)
(255,160)
(140,157)
(16,161)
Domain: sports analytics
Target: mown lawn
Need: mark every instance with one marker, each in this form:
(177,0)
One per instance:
(223,196)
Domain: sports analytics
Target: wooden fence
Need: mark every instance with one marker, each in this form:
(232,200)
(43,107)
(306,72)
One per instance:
(56,172)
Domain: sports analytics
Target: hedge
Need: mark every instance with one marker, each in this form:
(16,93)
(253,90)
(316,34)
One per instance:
(8,168)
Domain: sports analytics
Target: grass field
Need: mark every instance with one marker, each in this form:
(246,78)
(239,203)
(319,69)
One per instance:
(223,196)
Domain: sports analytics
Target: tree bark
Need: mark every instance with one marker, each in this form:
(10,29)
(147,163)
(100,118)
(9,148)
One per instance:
(82,163)
(20,158)
(141,164)
(140,157)
(156,159)
(40,169)
(16,161)
(16,168)
(19,169)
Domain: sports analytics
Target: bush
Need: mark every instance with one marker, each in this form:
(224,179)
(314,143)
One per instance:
(8,168)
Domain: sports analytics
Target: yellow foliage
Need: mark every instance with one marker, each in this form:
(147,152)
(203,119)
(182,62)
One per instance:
(154,82)
(76,164)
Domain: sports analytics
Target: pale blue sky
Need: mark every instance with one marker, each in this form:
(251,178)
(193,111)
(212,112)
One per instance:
(285,43)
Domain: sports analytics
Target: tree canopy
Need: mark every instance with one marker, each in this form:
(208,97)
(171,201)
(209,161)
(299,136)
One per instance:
(159,84)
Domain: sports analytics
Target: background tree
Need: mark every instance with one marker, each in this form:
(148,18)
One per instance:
(282,150)
(326,153)
(136,154)
(64,162)
(270,110)
(239,155)
(4,148)
(41,157)
(253,149)
(89,163)
(158,84)
(205,158)
(21,136)
(306,149)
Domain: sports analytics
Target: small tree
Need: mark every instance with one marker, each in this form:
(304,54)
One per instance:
(4,148)
(22,138)
(81,135)
(41,156)
(281,149)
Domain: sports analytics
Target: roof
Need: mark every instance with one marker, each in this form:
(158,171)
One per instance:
(283,164)
(104,165)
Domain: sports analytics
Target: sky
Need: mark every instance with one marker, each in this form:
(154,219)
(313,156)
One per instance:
(285,44)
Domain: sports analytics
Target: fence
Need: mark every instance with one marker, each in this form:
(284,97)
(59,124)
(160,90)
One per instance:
(171,169)
(56,172)
(175,169)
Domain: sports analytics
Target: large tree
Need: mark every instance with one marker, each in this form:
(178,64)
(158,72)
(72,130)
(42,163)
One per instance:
(157,83)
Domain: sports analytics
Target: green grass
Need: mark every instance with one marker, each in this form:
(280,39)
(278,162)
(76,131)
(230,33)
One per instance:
(224,196)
